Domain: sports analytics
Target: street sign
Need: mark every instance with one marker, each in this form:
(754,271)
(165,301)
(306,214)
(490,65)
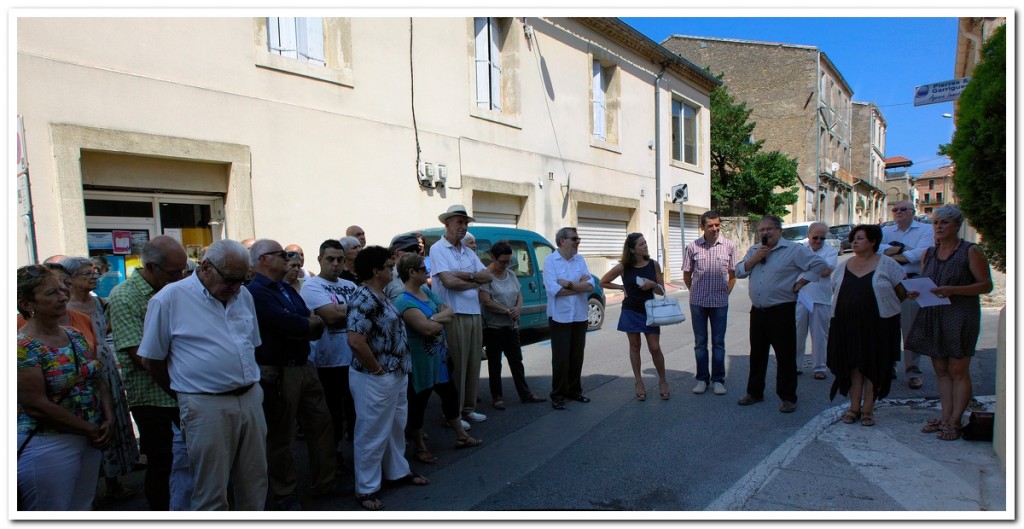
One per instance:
(939,92)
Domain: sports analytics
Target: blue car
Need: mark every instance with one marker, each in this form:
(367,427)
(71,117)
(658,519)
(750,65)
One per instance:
(529,249)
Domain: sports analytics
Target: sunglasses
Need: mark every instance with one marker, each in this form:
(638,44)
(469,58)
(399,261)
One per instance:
(817,238)
(36,270)
(575,239)
(420,268)
(231,281)
(900,210)
(286,255)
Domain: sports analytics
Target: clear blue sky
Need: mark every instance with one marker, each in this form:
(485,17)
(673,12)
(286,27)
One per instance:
(882,59)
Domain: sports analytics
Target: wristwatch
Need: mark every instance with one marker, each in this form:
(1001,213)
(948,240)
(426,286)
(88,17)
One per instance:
(570,285)
(471,276)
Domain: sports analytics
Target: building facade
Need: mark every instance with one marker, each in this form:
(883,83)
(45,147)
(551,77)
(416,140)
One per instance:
(899,183)
(868,159)
(934,189)
(802,106)
(295,128)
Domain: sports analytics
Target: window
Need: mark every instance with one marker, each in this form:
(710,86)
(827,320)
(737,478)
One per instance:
(487,36)
(931,184)
(927,198)
(300,38)
(684,132)
(494,65)
(314,47)
(938,197)
(604,99)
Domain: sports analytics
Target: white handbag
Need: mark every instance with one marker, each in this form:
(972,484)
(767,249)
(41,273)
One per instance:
(663,311)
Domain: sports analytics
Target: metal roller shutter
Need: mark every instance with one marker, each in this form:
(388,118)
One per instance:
(675,244)
(485,218)
(602,236)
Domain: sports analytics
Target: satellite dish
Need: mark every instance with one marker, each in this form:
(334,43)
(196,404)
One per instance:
(835,167)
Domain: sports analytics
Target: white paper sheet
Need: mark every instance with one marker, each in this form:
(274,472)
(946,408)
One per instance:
(924,286)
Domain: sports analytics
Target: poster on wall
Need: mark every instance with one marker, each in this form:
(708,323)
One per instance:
(193,251)
(174,233)
(100,240)
(122,242)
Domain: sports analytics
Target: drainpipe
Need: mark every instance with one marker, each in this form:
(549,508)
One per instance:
(657,164)
(817,136)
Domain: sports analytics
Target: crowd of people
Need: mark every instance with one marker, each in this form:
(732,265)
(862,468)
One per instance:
(223,362)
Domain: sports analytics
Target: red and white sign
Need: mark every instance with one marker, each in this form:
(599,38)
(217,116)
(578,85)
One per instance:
(122,242)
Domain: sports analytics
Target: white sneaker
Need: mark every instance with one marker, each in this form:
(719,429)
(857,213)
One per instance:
(474,416)
(701,387)
(719,388)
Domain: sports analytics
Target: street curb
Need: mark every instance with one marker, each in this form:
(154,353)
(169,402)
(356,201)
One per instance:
(736,498)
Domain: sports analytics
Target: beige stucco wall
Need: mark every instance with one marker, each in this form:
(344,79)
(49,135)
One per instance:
(307,156)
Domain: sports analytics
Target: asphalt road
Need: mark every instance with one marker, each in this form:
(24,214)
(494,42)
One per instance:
(614,453)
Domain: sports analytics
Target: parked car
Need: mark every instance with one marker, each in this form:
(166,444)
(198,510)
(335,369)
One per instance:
(797,232)
(842,232)
(529,249)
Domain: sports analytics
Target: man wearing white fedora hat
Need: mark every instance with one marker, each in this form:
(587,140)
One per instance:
(457,275)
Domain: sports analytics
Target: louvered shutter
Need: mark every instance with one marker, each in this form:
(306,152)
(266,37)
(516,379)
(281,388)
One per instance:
(495,64)
(599,98)
(310,37)
(483,65)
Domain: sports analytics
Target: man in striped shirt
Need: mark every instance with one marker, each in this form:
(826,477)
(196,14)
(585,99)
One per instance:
(709,273)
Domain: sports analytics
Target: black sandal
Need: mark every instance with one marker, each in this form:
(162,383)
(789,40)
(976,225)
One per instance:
(370,502)
(411,478)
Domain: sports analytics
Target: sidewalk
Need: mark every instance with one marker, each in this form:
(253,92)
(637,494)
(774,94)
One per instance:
(892,466)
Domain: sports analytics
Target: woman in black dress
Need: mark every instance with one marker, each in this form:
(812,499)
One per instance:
(864,334)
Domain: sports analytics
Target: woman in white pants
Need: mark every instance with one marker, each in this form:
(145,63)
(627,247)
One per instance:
(65,415)
(378,378)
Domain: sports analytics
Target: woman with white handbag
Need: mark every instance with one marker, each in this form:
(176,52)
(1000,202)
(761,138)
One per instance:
(640,276)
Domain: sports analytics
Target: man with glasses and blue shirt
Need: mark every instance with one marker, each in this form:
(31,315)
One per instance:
(775,267)
(906,241)
(290,382)
(155,412)
(199,342)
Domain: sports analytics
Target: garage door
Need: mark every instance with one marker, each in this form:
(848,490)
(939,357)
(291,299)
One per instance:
(675,243)
(602,228)
(601,236)
(496,209)
(488,218)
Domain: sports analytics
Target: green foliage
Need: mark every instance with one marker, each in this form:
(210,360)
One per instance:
(743,179)
(978,149)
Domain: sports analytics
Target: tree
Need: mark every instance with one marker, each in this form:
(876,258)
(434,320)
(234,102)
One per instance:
(978,149)
(743,179)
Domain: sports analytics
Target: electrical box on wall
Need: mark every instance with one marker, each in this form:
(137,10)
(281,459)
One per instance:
(426,175)
(442,175)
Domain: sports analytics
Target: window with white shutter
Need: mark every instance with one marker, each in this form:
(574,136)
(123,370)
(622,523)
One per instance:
(600,93)
(300,38)
(487,33)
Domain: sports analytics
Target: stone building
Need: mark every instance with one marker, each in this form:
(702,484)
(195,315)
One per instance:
(802,106)
(295,128)
(868,128)
(899,183)
(934,189)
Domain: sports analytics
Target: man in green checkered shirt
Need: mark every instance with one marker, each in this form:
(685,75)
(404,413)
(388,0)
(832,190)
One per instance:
(163,262)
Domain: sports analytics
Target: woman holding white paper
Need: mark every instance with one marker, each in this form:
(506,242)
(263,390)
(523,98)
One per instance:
(864,333)
(949,333)
(640,276)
